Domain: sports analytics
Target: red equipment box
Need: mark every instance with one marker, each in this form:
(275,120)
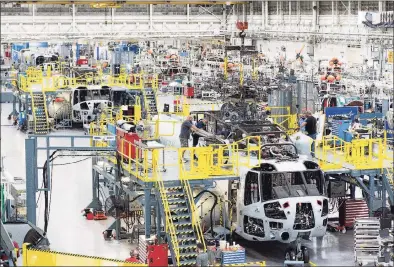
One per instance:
(188,91)
(128,150)
(352,209)
(158,255)
(82,62)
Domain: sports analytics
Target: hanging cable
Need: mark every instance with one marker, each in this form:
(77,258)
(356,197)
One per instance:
(213,206)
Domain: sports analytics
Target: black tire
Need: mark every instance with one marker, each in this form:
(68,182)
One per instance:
(290,254)
(305,254)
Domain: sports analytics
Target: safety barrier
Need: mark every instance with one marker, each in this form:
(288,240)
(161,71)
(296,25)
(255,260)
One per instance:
(213,160)
(249,151)
(359,154)
(257,263)
(133,81)
(52,83)
(35,257)
(145,163)
(286,120)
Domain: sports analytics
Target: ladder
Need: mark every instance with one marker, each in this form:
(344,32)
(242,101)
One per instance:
(150,102)
(180,226)
(40,114)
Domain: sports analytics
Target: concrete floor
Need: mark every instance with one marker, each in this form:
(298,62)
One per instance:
(68,230)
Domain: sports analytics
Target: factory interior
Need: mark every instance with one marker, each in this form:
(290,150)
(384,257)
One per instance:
(197,133)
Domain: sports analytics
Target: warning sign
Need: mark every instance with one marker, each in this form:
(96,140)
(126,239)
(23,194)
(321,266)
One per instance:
(390,56)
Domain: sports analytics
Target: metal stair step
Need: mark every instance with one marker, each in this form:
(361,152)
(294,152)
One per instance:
(187,263)
(181,216)
(188,254)
(187,246)
(172,195)
(186,239)
(176,201)
(180,209)
(185,231)
(180,224)
(173,188)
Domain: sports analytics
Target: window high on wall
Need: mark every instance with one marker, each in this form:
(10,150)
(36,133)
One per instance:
(133,10)
(257,7)
(306,7)
(53,10)
(164,9)
(14,9)
(389,6)
(372,6)
(272,7)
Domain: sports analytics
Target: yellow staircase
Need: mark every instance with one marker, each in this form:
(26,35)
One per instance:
(39,111)
(182,224)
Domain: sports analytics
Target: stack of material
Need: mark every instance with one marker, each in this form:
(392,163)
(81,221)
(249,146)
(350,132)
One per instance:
(143,247)
(366,240)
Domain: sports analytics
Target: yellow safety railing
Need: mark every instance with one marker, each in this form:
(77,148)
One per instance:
(285,118)
(254,70)
(390,175)
(332,154)
(144,163)
(213,160)
(170,227)
(134,81)
(241,74)
(196,223)
(249,151)
(335,153)
(35,257)
(257,263)
(53,83)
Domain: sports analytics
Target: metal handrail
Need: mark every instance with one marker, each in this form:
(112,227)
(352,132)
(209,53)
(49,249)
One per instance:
(196,223)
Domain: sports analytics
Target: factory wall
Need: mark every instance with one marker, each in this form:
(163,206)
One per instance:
(297,17)
(322,51)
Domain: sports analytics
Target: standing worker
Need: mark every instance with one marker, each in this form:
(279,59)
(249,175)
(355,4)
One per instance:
(201,124)
(186,128)
(310,127)
(202,257)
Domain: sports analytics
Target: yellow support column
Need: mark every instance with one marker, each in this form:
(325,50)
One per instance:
(49,73)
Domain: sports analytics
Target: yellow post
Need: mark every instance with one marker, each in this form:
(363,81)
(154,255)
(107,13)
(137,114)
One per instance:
(49,74)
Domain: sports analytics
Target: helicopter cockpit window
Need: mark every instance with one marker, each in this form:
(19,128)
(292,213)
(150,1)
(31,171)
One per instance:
(75,97)
(252,190)
(105,94)
(316,178)
(291,184)
(83,95)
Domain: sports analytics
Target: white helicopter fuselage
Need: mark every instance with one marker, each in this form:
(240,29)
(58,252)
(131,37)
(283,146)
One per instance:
(255,223)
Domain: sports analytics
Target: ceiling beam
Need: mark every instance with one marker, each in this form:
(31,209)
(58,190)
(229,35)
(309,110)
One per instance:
(127,2)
